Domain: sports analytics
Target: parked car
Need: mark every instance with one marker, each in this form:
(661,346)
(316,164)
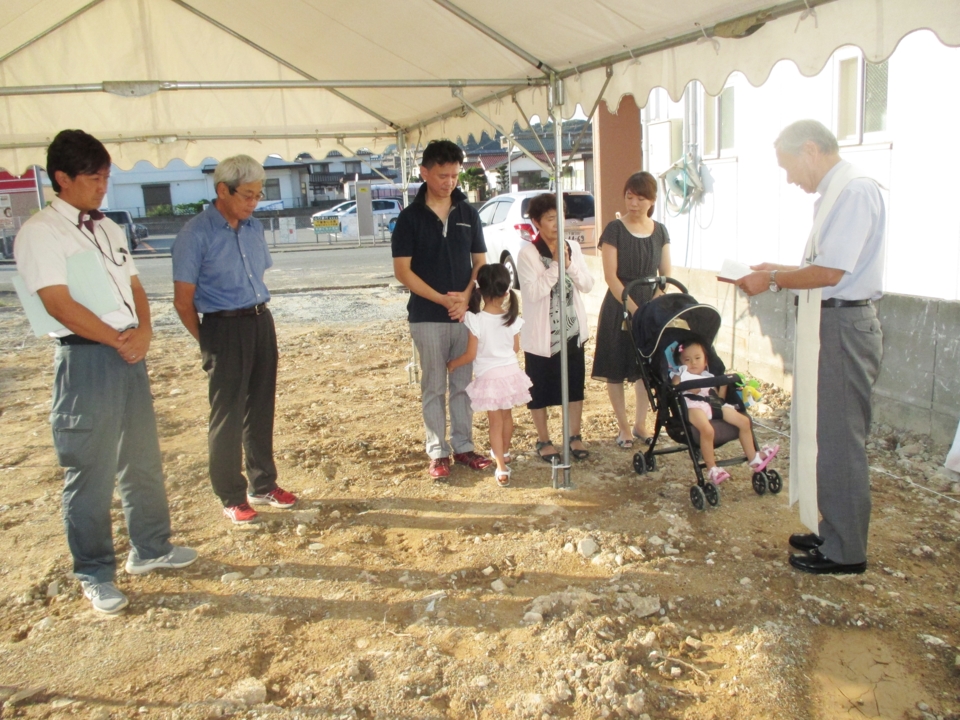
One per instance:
(385,210)
(135,231)
(336,210)
(506,224)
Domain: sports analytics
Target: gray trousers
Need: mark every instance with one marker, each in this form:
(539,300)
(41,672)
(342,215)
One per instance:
(105,433)
(851,345)
(438,343)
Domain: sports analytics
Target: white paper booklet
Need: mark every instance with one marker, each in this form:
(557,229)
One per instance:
(733,271)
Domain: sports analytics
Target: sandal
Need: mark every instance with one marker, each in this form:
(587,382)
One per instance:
(767,453)
(549,457)
(645,439)
(625,444)
(502,477)
(717,475)
(578,454)
(507,457)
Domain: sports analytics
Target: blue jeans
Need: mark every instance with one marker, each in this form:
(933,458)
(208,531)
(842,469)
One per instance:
(105,432)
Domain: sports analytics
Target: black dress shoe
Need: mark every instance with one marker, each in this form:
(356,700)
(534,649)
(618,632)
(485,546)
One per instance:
(817,563)
(806,542)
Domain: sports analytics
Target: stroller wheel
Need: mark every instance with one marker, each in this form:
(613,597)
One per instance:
(759,483)
(697,497)
(651,463)
(640,464)
(712,494)
(773,481)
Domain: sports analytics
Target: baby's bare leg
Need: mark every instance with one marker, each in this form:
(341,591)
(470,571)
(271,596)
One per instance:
(699,419)
(742,423)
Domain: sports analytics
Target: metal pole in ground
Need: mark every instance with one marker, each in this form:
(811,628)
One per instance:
(556,101)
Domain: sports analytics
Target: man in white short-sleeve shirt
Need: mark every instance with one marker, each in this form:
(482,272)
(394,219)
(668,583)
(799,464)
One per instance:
(104,427)
(846,262)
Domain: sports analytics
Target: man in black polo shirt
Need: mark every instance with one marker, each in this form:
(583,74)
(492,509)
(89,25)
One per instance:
(437,250)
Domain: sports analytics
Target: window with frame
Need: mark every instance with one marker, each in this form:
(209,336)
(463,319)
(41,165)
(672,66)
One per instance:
(861,98)
(719,122)
(156,195)
(351,167)
(271,189)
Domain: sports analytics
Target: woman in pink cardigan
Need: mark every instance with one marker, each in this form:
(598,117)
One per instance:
(540,336)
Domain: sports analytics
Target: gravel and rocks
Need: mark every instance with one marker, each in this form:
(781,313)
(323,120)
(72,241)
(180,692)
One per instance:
(385,595)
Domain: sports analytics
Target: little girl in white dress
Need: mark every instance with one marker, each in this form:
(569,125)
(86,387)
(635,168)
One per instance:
(498,383)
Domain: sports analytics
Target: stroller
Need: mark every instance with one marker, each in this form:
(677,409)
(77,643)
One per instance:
(679,318)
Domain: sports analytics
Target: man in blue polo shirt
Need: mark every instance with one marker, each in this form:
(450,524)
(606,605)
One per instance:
(437,250)
(219,259)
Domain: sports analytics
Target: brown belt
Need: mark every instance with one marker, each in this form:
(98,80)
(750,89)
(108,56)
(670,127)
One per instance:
(243,312)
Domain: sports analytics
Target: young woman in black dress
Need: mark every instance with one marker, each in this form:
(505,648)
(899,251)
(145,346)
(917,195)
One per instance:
(633,246)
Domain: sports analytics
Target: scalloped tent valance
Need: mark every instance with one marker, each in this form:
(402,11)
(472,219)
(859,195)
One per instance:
(191,79)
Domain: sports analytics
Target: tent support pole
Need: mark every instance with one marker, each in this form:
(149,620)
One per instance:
(556,103)
(596,104)
(404,176)
(277,58)
(457,93)
(495,36)
(788,8)
(50,29)
(353,154)
(536,135)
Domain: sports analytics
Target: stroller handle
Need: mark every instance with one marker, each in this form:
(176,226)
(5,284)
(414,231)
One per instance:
(658,281)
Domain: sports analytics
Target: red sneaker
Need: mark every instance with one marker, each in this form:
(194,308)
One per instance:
(472,460)
(240,514)
(278,498)
(439,468)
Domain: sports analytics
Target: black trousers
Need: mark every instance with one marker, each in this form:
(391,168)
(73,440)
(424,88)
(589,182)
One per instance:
(240,359)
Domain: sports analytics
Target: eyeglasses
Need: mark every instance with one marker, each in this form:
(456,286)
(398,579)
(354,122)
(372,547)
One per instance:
(248,197)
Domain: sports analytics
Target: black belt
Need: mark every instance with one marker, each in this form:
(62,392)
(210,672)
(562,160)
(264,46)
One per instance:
(838,303)
(77,340)
(243,312)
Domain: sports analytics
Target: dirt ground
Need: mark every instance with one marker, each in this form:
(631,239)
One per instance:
(386,595)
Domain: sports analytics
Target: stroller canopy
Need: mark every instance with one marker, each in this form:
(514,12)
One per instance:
(678,310)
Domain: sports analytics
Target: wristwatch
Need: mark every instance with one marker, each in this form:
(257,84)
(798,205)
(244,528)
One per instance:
(773,281)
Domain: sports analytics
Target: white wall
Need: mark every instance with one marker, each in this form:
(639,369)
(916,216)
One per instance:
(187,184)
(753,215)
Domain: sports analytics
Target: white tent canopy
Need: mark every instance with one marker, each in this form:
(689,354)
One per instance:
(191,79)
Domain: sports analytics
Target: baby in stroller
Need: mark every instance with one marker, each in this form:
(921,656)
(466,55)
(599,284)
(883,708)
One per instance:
(706,404)
(689,392)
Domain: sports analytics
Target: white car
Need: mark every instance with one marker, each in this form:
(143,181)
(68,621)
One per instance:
(336,210)
(385,210)
(506,224)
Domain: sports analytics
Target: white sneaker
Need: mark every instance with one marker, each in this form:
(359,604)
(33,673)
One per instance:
(179,557)
(106,598)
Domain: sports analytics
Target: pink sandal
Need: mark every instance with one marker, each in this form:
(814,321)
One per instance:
(717,475)
(767,453)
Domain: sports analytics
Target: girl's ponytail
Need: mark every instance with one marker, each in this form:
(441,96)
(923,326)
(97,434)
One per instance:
(475,298)
(513,309)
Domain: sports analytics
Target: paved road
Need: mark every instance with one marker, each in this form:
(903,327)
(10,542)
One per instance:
(293,269)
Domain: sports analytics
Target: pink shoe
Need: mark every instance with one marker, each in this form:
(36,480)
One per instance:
(767,453)
(717,475)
